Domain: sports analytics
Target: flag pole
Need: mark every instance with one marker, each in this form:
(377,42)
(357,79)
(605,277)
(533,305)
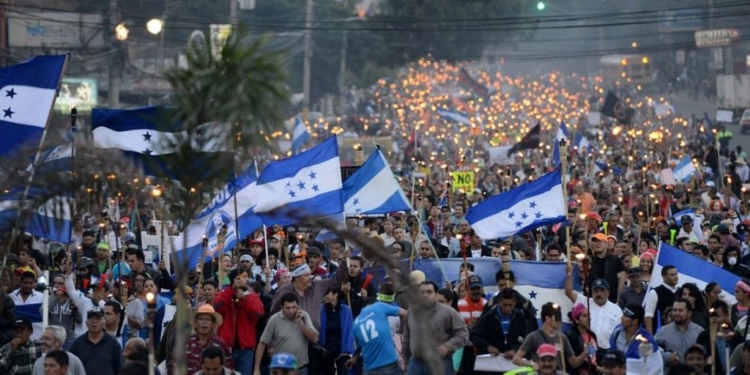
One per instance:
(265,230)
(564,166)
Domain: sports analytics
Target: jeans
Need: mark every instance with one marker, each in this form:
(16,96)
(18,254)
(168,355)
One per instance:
(243,361)
(391,369)
(417,367)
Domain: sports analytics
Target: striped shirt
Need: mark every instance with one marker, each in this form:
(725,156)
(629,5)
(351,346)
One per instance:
(469,309)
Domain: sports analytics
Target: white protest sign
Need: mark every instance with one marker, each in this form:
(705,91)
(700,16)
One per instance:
(724,116)
(499,155)
(595,118)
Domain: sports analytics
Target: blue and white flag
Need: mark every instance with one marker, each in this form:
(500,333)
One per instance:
(521,209)
(27,93)
(52,219)
(692,269)
(684,170)
(219,213)
(458,117)
(10,204)
(300,135)
(583,144)
(602,167)
(688,212)
(304,185)
(372,189)
(56,159)
(542,282)
(562,134)
(147,137)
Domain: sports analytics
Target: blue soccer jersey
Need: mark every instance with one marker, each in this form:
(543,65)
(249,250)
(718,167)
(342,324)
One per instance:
(373,335)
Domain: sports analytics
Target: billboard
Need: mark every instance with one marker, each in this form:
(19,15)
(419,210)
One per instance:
(55,30)
(79,92)
(671,21)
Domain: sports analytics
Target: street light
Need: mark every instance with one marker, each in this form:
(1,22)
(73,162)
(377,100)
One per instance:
(121,32)
(540,5)
(154,25)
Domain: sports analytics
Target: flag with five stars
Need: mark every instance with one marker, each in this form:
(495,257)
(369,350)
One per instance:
(305,185)
(522,209)
(372,189)
(147,137)
(27,93)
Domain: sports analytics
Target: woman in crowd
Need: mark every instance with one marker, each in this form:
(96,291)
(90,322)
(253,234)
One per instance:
(690,292)
(712,293)
(646,264)
(582,339)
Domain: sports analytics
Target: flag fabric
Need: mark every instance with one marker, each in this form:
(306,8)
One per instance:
(602,167)
(691,269)
(307,184)
(373,189)
(146,135)
(27,93)
(300,135)
(466,79)
(443,198)
(542,282)
(219,213)
(521,209)
(562,135)
(690,212)
(684,170)
(411,147)
(614,107)
(583,144)
(528,142)
(458,117)
(10,204)
(52,219)
(56,159)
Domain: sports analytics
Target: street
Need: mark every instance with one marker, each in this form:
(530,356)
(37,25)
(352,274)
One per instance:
(686,106)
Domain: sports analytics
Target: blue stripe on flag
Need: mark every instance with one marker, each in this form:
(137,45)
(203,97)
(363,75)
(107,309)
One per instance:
(372,189)
(692,269)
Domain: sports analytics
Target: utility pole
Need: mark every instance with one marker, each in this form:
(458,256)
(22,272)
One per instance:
(233,5)
(114,82)
(342,68)
(307,61)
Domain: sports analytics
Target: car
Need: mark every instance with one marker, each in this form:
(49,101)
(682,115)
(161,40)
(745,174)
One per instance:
(745,121)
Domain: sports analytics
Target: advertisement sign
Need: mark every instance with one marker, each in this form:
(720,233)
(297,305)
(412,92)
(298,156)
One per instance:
(671,21)
(715,38)
(55,30)
(81,93)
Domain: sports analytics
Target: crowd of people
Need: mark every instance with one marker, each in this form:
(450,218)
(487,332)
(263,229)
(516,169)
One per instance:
(314,307)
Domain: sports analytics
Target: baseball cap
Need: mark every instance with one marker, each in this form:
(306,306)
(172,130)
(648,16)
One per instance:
(600,237)
(416,277)
(613,358)
(634,311)
(283,361)
(595,216)
(634,271)
(686,219)
(129,237)
(600,284)
(103,245)
(23,322)
(95,311)
(697,348)
(475,282)
(257,241)
(312,250)
(546,350)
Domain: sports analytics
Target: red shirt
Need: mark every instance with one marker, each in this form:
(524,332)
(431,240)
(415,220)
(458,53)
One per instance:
(240,317)
(194,350)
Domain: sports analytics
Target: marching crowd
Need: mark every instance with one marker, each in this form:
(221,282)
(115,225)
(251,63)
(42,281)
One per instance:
(309,307)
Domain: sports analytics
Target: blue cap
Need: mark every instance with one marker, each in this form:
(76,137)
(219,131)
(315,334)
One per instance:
(600,284)
(284,361)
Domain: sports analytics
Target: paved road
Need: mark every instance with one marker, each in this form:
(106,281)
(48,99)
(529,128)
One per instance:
(686,106)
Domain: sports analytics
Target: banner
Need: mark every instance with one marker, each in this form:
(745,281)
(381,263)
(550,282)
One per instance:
(463,181)
(499,155)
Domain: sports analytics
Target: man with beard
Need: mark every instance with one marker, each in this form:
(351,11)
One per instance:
(444,328)
(88,245)
(290,330)
(676,337)
(310,294)
(19,355)
(53,338)
(98,351)
(357,285)
(604,315)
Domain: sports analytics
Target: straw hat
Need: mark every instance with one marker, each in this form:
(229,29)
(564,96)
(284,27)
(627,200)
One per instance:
(207,309)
